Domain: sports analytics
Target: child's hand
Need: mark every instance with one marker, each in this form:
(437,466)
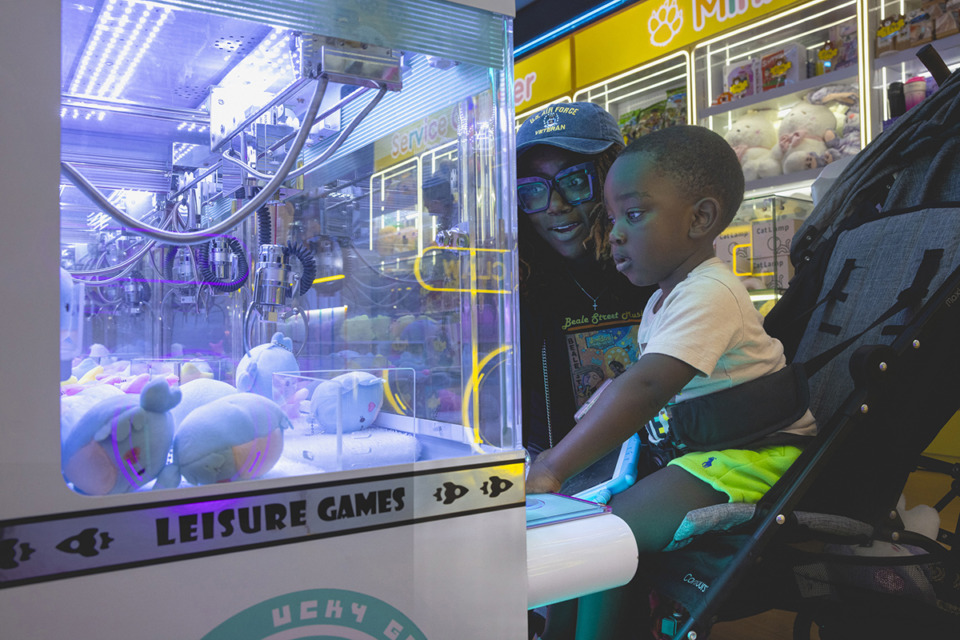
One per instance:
(540,479)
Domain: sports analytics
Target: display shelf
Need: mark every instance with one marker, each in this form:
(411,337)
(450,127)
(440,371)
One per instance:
(756,245)
(901,64)
(798,181)
(948,48)
(649,97)
(776,66)
(781,97)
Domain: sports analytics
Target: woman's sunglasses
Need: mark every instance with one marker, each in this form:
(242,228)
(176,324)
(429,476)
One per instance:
(574,184)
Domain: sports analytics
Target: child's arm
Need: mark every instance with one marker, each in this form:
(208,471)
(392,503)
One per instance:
(633,398)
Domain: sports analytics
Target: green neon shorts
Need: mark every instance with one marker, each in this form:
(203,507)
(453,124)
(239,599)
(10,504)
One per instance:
(743,474)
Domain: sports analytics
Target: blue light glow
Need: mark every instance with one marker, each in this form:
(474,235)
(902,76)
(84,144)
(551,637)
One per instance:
(567,27)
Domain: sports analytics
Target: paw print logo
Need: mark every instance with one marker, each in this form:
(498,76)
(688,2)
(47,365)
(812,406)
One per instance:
(665,23)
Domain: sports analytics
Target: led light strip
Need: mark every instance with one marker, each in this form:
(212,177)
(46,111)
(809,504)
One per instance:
(270,61)
(113,23)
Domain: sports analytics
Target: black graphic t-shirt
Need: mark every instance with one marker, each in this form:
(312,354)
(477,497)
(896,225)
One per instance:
(568,348)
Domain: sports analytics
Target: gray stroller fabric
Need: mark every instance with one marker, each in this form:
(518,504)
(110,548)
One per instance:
(927,126)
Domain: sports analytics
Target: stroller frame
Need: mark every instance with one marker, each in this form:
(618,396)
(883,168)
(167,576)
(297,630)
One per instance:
(928,343)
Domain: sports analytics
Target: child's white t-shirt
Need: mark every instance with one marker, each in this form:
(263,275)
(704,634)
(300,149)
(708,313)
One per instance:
(709,322)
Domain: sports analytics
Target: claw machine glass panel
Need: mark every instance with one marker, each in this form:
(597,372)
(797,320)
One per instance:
(285,262)
(266,200)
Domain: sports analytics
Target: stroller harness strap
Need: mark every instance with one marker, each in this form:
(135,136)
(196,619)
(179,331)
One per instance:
(749,413)
(753,412)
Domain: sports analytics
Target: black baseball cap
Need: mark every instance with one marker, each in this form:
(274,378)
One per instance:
(581,127)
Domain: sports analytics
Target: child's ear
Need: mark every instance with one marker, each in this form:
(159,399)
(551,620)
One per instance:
(706,216)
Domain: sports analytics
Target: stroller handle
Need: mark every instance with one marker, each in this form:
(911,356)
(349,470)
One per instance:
(931,59)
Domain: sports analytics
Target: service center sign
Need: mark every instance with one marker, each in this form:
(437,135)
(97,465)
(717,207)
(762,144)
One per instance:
(65,545)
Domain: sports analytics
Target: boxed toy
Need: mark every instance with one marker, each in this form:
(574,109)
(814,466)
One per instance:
(740,79)
(773,272)
(783,66)
(827,58)
(888,33)
(919,28)
(733,247)
(844,36)
(664,113)
(769,241)
(946,21)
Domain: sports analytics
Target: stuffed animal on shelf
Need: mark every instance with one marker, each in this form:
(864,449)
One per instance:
(236,437)
(255,370)
(754,138)
(845,97)
(356,397)
(121,443)
(803,131)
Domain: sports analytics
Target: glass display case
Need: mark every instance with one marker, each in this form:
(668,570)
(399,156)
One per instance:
(650,97)
(253,207)
(898,30)
(784,92)
(756,245)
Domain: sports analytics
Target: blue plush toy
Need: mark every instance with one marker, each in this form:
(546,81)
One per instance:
(255,370)
(236,437)
(199,392)
(359,396)
(121,443)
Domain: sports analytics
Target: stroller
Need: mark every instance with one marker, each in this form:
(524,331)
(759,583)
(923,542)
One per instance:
(873,314)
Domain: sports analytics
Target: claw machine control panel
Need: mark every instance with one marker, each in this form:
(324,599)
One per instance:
(284,400)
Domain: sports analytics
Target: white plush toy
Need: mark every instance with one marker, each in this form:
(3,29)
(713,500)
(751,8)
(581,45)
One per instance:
(802,133)
(754,138)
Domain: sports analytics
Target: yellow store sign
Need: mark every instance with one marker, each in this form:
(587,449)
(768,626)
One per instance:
(543,76)
(654,28)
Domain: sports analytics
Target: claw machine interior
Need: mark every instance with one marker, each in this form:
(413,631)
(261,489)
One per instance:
(284,401)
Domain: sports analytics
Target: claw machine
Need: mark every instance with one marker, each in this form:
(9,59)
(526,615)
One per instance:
(260,335)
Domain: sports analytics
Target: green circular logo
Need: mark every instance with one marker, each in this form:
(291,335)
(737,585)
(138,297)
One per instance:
(319,614)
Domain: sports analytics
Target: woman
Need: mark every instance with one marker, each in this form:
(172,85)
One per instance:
(578,315)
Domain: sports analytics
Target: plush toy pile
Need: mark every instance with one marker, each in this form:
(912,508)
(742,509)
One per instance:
(822,127)
(118,430)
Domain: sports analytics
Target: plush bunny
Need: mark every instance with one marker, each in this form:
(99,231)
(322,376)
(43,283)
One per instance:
(802,132)
(754,138)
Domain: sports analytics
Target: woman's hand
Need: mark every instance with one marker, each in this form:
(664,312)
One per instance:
(540,478)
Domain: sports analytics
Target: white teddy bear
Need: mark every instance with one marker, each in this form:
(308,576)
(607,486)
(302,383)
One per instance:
(754,138)
(802,134)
